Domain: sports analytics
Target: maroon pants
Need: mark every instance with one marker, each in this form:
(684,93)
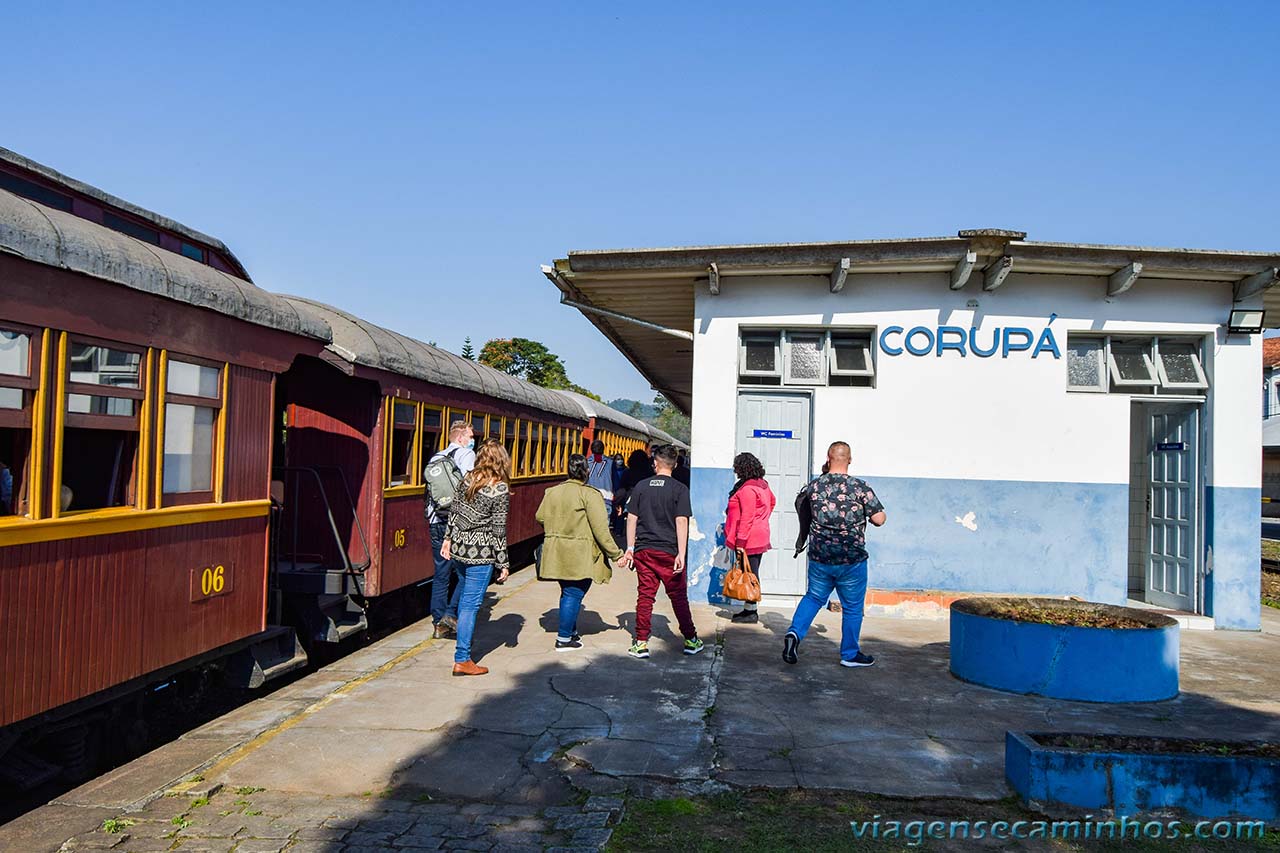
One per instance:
(653,568)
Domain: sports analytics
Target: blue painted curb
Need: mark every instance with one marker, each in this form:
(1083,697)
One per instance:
(1130,783)
(1063,661)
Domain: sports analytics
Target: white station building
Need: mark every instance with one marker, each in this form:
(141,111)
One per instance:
(1038,418)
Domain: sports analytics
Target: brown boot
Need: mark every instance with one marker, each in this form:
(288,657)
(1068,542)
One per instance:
(469,668)
(442,631)
(834,607)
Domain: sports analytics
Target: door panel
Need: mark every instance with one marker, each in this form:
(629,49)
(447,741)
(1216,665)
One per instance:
(775,427)
(1174,462)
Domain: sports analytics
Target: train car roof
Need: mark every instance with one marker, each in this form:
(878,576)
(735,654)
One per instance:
(598,410)
(162,222)
(55,238)
(360,342)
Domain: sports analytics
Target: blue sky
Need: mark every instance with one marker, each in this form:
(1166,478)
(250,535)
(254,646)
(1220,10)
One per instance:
(415,162)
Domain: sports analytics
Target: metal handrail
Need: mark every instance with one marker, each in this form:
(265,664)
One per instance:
(295,473)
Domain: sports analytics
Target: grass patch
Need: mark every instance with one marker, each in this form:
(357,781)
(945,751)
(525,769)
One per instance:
(116,825)
(246,790)
(773,821)
(180,821)
(199,801)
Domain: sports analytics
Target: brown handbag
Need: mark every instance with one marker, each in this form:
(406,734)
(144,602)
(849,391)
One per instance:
(741,583)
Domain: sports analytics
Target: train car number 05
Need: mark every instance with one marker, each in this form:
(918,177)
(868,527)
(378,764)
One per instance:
(210,581)
(399,538)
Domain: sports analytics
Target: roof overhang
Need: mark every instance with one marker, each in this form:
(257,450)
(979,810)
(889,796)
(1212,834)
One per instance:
(642,300)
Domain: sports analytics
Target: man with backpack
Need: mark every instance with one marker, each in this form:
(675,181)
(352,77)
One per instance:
(443,478)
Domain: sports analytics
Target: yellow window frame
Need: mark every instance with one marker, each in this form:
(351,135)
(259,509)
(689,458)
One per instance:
(414,485)
(151,443)
(39,426)
(146,440)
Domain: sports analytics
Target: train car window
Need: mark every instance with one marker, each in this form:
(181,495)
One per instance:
(193,402)
(195,253)
(34,191)
(509,441)
(526,449)
(128,226)
(495,428)
(545,457)
(17,393)
(432,432)
(101,430)
(401,443)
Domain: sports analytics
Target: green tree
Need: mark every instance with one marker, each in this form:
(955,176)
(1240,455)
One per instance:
(468,351)
(669,419)
(530,361)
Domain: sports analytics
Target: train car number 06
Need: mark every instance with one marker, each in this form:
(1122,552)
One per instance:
(209,581)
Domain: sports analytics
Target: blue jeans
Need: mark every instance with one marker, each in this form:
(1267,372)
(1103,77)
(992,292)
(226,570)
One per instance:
(475,580)
(850,583)
(442,603)
(571,595)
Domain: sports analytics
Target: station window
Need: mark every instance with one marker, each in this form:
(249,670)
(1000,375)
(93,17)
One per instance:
(402,440)
(98,466)
(807,357)
(17,394)
(192,409)
(1135,365)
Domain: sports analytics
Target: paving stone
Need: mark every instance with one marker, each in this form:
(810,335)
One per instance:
(341,822)
(361,838)
(146,845)
(464,830)
(529,824)
(320,833)
(263,826)
(571,850)
(213,825)
(163,809)
(261,845)
(395,823)
(604,804)
(495,819)
(207,845)
(477,808)
(504,837)
(418,842)
(312,846)
(423,834)
(516,848)
(586,820)
(588,837)
(96,841)
(561,811)
(517,811)
(435,809)
(467,844)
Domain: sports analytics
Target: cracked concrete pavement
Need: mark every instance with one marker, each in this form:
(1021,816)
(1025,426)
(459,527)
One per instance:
(390,721)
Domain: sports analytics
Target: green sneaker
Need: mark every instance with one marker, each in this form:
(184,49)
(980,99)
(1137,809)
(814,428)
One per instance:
(692,647)
(639,649)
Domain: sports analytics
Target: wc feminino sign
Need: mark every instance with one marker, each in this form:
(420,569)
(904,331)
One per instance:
(1002,340)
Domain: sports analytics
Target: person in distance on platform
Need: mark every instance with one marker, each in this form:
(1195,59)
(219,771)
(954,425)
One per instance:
(681,472)
(476,537)
(841,505)
(601,474)
(746,523)
(658,514)
(6,490)
(575,547)
(639,467)
(445,585)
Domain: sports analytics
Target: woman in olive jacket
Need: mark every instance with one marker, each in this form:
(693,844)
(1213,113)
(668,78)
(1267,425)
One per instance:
(576,545)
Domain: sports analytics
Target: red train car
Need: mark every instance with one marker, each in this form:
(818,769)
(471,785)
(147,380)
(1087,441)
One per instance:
(137,366)
(196,471)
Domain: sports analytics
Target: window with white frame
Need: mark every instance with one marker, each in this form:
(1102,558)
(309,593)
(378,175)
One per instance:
(806,357)
(1126,364)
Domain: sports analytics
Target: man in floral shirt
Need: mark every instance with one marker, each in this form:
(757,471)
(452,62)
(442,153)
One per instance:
(842,505)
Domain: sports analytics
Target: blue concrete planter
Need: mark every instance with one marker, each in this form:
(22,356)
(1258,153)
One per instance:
(1138,664)
(1129,783)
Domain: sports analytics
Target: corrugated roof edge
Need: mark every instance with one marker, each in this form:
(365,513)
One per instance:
(608,414)
(57,239)
(413,365)
(154,218)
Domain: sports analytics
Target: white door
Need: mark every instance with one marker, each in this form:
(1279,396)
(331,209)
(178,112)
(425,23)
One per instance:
(1173,505)
(775,427)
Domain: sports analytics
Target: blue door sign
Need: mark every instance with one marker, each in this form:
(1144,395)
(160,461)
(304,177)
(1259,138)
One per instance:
(771,433)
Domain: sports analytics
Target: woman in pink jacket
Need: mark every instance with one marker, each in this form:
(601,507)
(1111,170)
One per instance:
(746,523)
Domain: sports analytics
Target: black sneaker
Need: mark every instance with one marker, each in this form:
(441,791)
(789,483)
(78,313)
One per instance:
(860,660)
(749,617)
(789,645)
(570,645)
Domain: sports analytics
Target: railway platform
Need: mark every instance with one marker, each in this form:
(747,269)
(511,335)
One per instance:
(383,749)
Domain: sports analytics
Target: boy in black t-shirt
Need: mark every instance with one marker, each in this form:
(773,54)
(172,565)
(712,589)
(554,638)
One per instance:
(658,515)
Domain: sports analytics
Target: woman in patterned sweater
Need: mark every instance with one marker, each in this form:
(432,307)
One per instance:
(477,539)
